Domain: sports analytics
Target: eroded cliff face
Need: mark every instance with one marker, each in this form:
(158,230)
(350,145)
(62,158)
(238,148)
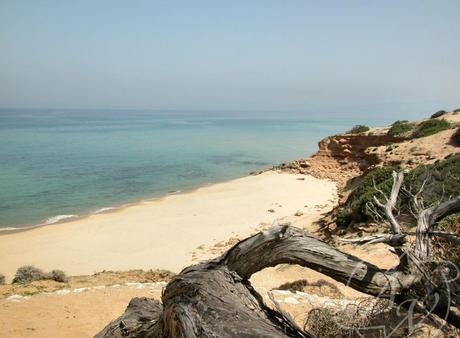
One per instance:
(344,156)
(352,149)
(341,157)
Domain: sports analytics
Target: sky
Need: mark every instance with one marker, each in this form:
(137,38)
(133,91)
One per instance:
(312,57)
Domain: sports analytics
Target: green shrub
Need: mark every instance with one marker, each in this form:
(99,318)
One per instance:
(438,114)
(431,127)
(399,128)
(343,218)
(2,279)
(28,273)
(441,183)
(442,247)
(455,139)
(363,195)
(359,128)
(449,222)
(58,276)
(456,111)
(441,180)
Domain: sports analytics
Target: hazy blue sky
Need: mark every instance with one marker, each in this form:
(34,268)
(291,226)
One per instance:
(307,56)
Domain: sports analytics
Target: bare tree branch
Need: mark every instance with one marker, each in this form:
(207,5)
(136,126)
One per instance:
(425,221)
(391,239)
(390,205)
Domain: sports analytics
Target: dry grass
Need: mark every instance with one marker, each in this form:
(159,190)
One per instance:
(100,278)
(371,317)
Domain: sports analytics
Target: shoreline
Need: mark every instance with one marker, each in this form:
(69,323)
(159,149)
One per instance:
(9,229)
(142,234)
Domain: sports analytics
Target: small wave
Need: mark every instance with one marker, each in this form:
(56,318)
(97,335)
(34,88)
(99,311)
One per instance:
(8,229)
(174,192)
(102,210)
(58,218)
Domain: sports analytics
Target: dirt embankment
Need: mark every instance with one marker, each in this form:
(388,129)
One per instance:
(414,152)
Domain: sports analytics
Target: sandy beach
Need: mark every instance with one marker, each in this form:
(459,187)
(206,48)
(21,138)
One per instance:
(169,232)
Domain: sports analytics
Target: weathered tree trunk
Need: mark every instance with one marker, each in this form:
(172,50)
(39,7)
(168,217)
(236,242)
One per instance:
(215,299)
(141,319)
(425,221)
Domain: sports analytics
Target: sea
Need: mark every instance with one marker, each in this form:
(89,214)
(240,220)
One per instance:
(61,164)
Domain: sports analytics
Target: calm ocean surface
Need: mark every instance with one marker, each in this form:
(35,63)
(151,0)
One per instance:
(57,163)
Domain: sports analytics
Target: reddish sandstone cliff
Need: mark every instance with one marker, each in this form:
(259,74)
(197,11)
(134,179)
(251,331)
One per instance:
(341,157)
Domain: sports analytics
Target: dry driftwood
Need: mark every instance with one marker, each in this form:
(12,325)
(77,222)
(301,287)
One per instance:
(216,299)
(141,319)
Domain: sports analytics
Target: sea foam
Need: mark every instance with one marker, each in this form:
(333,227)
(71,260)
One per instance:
(9,229)
(58,218)
(102,210)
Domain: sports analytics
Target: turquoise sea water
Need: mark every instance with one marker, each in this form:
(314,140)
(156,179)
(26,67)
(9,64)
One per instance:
(76,162)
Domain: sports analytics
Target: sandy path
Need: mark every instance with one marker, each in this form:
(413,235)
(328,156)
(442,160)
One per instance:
(163,233)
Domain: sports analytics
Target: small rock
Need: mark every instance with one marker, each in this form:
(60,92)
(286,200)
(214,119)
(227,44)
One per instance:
(271,210)
(80,290)
(298,213)
(291,300)
(17,298)
(281,292)
(304,164)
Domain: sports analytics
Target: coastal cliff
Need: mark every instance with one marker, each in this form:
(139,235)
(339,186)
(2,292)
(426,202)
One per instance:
(344,156)
(341,157)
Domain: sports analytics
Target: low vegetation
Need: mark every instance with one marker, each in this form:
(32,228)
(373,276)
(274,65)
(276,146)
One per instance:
(355,209)
(58,276)
(359,128)
(344,321)
(400,128)
(450,223)
(431,127)
(438,114)
(444,248)
(455,139)
(442,179)
(2,279)
(29,273)
(369,317)
(106,278)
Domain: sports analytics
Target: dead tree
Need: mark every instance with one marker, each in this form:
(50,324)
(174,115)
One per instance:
(216,299)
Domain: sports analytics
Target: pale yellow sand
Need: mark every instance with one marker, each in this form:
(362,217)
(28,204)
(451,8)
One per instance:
(163,233)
